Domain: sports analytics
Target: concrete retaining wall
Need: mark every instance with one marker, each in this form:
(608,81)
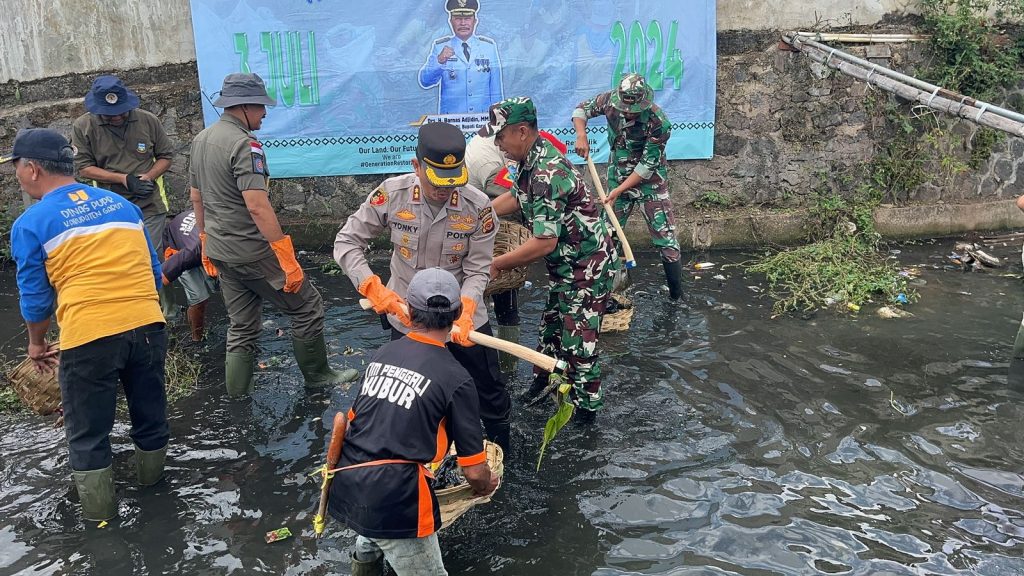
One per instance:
(49,38)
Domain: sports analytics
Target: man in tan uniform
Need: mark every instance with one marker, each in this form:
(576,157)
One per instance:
(124,149)
(242,241)
(434,219)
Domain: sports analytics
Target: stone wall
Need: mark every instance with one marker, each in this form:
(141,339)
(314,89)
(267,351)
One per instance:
(786,127)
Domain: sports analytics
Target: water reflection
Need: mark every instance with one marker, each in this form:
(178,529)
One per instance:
(732,444)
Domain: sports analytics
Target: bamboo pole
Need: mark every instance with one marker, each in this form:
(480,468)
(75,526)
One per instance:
(863,38)
(935,99)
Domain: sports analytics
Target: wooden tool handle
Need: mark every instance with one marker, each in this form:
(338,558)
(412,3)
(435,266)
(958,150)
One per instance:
(630,261)
(333,455)
(542,361)
(337,439)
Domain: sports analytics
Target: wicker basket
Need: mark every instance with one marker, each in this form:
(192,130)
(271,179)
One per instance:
(618,321)
(457,500)
(511,235)
(39,391)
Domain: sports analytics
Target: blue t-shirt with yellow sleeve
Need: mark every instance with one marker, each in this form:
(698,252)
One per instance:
(84,253)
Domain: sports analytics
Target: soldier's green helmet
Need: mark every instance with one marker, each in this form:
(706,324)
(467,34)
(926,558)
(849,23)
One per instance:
(633,95)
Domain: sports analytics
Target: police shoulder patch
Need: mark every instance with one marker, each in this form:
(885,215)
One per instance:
(379,197)
(487,220)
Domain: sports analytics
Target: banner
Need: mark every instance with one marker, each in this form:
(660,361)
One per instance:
(354,80)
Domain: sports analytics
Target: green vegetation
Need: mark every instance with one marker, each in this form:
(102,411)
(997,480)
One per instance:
(843,266)
(714,199)
(971,55)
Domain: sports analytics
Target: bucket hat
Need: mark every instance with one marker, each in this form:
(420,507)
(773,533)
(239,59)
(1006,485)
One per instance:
(633,95)
(110,97)
(239,88)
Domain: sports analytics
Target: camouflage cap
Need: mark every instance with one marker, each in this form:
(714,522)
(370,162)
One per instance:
(633,95)
(510,111)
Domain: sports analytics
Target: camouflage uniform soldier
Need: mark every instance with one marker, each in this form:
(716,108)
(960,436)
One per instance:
(637,173)
(570,233)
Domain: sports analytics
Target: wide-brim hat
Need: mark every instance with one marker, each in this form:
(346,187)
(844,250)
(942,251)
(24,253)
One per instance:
(239,88)
(441,147)
(110,97)
(633,95)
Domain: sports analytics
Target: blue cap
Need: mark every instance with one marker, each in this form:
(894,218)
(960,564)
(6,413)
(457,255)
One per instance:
(110,97)
(41,144)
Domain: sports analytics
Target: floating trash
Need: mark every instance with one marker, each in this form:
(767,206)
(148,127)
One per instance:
(279,534)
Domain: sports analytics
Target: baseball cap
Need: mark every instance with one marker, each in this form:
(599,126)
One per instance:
(432,282)
(41,144)
(510,111)
(442,148)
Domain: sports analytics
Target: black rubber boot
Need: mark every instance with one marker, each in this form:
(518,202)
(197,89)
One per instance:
(540,382)
(674,278)
(500,432)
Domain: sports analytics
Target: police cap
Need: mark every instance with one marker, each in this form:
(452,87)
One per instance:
(442,150)
(462,7)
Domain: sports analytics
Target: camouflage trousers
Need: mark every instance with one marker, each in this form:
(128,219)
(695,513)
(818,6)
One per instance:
(569,329)
(657,211)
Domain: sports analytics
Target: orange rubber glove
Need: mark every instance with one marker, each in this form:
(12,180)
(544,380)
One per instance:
(168,252)
(208,266)
(285,253)
(464,323)
(384,299)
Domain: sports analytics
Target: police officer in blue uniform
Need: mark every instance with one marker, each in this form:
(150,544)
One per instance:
(465,65)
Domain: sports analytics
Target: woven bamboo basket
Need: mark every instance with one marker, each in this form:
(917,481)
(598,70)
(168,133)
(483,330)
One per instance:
(618,321)
(39,391)
(511,235)
(457,500)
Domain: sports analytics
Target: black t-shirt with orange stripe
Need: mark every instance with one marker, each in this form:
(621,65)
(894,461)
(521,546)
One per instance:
(415,400)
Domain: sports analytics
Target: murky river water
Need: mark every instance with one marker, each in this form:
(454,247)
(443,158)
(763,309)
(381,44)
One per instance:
(731,444)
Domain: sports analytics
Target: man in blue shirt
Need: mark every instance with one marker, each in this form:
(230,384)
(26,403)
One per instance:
(465,65)
(83,253)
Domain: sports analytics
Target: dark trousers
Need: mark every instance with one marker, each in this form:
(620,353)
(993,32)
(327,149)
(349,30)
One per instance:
(506,307)
(89,375)
(482,364)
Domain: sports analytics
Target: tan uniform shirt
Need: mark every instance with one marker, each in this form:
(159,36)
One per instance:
(459,238)
(132,148)
(226,159)
(483,161)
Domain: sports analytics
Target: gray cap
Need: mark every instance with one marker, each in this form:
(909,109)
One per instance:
(433,282)
(241,89)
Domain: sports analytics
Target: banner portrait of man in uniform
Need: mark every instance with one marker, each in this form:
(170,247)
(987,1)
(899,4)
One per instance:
(465,65)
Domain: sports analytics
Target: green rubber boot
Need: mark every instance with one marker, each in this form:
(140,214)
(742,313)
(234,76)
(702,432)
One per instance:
(373,567)
(311,356)
(149,465)
(506,361)
(238,368)
(96,492)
